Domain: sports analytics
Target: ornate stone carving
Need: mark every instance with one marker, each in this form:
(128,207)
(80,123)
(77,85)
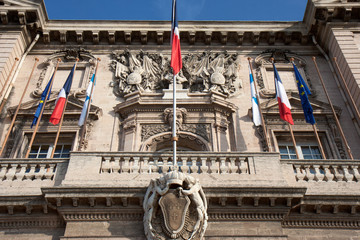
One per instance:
(149,130)
(180,117)
(201,72)
(175,208)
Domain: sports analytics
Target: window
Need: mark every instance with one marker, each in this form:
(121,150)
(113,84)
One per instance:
(45,150)
(306,145)
(287,151)
(44,145)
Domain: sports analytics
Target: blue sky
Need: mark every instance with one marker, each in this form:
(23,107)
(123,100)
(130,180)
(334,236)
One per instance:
(259,10)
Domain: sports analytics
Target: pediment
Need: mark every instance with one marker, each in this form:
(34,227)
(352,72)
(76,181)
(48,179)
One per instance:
(74,107)
(22,3)
(319,107)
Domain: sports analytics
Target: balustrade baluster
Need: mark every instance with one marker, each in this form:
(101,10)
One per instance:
(39,174)
(329,176)
(20,175)
(145,166)
(154,167)
(194,167)
(50,171)
(223,168)
(243,166)
(204,167)
(318,176)
(11,172)
(214,168)
(300,175)
(356,172)
(310,176)
(31,173)
(106,165)
(347,175)
(136,165)
(339,175)
(3,171)
(125,165)
(115,165)
(232,165)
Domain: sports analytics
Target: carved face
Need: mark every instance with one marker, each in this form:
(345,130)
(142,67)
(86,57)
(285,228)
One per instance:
(180,115)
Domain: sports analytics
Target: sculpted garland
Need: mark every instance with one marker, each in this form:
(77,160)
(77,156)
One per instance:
(151,72)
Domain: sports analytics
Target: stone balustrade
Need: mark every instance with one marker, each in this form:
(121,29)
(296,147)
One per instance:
(200,163)
(325,170)
(26,169)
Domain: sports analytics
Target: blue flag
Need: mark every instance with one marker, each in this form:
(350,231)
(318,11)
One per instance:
(303,93)
(43,96)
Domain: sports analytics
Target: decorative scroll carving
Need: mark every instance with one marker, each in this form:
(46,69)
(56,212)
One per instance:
(202,72)
(175,208)
(149,130)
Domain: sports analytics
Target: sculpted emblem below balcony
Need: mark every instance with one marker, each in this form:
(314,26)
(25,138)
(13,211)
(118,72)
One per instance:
(175,208)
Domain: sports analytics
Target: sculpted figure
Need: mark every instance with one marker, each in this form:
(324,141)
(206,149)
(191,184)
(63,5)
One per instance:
(197,195)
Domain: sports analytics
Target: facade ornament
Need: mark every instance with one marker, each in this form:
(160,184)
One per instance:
(151,72)
(175,208)
(181,114)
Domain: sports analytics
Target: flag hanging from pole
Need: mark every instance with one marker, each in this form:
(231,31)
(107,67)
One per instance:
(84,111)
(255,104)
(41,103)
(304,91)
(176,61)
(284,104)
(61,99)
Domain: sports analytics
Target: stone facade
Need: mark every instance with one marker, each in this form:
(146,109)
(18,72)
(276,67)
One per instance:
(98,191)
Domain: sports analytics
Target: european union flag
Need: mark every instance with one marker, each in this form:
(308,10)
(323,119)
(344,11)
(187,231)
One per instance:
(43,96)
(303,93)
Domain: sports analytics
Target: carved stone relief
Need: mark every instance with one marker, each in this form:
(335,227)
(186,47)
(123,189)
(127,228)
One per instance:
(175,208)
(149,130)
(151,72)
(66,55)
(281,57)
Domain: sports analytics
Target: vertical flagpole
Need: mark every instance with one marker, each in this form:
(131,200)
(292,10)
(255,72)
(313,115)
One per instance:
(313,125)
(260,110)
(333,110)
(2,90)
(62,116)
(88,108)
(8,78)
(174,138)
(347,89)
(319,142)
(290,128)
(42,110)
(18,108)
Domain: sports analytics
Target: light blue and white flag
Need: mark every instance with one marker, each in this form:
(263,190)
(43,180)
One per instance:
(86,103)
(255,104)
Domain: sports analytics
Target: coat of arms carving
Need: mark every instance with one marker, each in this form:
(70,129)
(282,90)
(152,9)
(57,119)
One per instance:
(151,72)
(175,208)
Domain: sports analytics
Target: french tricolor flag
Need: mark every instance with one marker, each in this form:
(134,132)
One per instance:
(176,62)
(284,104)
(61,99)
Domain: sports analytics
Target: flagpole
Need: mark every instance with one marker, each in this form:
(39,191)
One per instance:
(333,110)
(18,107)
(174,137)
(88,108)
(260,110)
(62,115)
(293,140)
(42,110)
(290,128)
(347,89)
(319,142)
(2,90)
(8,78)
